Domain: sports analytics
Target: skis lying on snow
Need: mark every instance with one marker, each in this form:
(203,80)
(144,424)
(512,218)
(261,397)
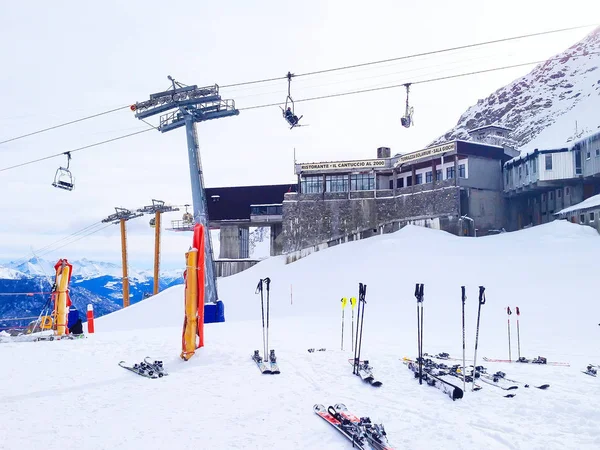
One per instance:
(360,431)
(434,379)
(539,360)
(502,376)
(591,370)
(157,366)
(312,350)
(365,372)
(143,369)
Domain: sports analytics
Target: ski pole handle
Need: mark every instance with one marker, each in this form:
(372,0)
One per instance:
(508,311)
(267,281)
(517,310)
(362,292)
(419,292)
(259,286)
(481,295)
(464,296)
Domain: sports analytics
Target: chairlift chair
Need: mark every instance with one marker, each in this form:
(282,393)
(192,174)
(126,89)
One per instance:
(63,179)
(188,218)
(153,222)
(407,120)
(288,111)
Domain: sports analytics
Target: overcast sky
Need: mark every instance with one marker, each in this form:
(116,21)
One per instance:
(74,58)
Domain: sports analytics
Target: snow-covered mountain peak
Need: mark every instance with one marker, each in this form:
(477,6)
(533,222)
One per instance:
(556,102)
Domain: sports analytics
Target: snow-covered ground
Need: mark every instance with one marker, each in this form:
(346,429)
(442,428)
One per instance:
(73,395)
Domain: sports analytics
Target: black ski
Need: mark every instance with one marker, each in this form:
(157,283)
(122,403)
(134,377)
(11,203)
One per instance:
(365,372)
(453,391)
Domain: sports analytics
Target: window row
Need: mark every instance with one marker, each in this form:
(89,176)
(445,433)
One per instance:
(462,173)
(337,183)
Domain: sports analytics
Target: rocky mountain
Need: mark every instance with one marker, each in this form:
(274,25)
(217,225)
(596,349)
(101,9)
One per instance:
(557,102)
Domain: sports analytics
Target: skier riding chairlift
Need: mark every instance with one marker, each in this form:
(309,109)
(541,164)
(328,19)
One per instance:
(288,112)
(407,120)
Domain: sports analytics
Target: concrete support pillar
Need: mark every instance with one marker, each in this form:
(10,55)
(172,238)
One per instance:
(234,242)
(276,241)
(433,172)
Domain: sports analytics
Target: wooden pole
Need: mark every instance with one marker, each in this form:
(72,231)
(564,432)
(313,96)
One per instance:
(124,261)
(156,251)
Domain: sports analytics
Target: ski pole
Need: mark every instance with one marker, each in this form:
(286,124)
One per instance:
(352,305)
(464,297)
(344,301)
(267,281)
(419,296)
(481,302)
(509,312)
(259,288)
(518,334)
(362,292)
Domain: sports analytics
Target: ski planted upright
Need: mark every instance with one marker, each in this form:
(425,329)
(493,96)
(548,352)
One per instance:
(362,368)
(267,364)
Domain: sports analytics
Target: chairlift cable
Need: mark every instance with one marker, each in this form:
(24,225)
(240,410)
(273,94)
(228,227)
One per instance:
(415,55)
(64,124)
(76,149)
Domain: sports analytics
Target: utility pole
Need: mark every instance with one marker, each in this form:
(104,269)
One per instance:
(158,207)
(121,216)
(191,104)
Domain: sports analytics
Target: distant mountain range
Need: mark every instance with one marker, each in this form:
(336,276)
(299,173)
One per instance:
(98,283)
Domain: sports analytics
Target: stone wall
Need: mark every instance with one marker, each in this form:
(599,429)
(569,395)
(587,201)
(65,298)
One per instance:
(313,219)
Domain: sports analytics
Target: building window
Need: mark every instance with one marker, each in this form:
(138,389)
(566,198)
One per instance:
(409,180)
(567,193)
(533,165)
(419,179)
(551,195)
(462,171)
(336,183)
(391,184)
(438,174)
(598,152)
(559,193)
(400,182)
(449,173)
(311,185)
(266,210)
(526,169)
(543,197)
(588,154)
(582,218)
(578,170)
(548,162)
(362,182)
(591,217)
(429,177)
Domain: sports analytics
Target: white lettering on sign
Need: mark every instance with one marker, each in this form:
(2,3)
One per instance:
(431,151)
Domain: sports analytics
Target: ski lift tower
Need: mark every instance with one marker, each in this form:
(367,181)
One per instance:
(183,105)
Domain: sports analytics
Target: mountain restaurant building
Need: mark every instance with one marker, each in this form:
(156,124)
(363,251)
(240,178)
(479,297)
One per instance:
(456,186)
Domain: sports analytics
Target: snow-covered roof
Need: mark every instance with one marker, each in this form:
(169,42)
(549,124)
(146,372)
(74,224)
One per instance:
(500,127)
(591,202)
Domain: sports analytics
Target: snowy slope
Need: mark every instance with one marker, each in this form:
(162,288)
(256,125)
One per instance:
(219,399)
(556,102)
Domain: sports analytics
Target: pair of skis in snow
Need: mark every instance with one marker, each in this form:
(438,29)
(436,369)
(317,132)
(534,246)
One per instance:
(539,360)
(267,364)
(433,378)
(362,368)
(149,368)
(359,430)
(591,370)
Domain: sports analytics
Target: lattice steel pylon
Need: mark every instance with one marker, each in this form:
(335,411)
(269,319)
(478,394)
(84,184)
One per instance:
(191,104)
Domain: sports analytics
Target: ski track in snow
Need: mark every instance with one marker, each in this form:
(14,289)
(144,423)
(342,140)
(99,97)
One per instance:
(73,395)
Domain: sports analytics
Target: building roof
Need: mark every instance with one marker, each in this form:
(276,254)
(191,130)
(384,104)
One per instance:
(592,202)
(500,127)
(234,202)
